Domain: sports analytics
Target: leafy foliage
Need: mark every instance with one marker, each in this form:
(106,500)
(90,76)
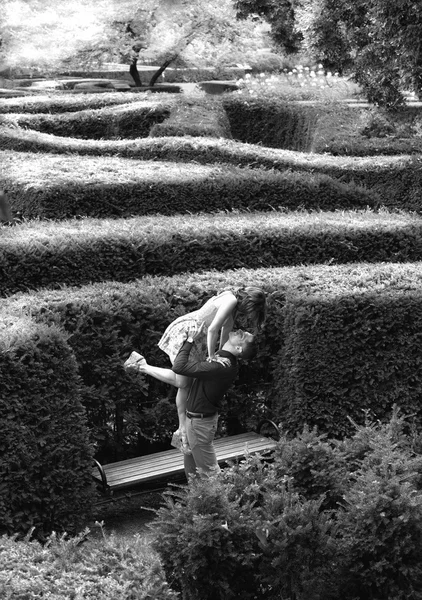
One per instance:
(45,471)
(81,567)
(270,526)
(378,40)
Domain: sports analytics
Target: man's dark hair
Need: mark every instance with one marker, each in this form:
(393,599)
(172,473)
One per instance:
(249,349)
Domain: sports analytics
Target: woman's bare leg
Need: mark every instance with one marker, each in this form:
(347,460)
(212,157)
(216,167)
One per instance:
(182,383)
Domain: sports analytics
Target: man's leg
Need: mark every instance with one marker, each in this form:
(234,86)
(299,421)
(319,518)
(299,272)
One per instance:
(200,434)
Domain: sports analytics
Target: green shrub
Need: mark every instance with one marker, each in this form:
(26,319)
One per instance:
(37,254)
(119,187)
(81,568)
(260,529)
(276,124)
(106,322)
(394,180)
(45,471)
(65,103)
(381,526)
(200,118)
(350,344)
(308,362)
(125,120)
(361,131)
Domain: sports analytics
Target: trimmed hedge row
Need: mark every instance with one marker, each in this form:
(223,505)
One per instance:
(276,124)
(338,340)
(201,118)
(396,180)
(335,128)
(70,186)
(366,131)
(45,467)
(125,120)
(352,341)
(62,103)
(52,254)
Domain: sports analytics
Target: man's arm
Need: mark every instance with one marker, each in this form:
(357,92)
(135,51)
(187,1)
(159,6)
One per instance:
(204,370)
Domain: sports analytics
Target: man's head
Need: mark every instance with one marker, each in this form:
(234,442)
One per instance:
(241,343)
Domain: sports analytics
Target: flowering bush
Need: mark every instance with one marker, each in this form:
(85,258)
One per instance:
(299,83)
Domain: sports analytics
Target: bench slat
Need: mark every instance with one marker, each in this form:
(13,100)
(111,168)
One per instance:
(134,471)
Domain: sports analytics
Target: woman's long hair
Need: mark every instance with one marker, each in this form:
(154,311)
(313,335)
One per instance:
(251,302)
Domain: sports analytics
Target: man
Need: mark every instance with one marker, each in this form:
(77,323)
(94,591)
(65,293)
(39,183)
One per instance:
(211,380)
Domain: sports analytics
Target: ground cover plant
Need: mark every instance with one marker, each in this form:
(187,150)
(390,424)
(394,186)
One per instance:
(319,315)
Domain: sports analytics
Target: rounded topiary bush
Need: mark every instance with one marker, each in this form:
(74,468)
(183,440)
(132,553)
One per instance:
(45,471)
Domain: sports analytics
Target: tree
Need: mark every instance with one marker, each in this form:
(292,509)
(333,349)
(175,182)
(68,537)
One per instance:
(280,14)
(379,41)
(53,35)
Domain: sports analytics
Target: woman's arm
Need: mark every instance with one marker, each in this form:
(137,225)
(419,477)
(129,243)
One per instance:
(224,312)
(225,330)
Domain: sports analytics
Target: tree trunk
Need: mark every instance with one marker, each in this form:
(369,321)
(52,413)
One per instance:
(133,70)
(161,70)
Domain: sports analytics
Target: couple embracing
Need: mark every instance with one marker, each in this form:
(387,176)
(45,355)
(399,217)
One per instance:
(203,372)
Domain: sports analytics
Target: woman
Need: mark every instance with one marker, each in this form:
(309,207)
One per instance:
(216,317)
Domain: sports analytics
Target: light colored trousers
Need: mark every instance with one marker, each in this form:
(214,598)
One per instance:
(200,434)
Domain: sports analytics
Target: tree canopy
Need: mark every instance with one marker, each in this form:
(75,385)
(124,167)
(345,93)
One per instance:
(52,35)
(378,42)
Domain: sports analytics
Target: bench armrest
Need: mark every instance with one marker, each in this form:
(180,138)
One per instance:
(263,422)
(102,475)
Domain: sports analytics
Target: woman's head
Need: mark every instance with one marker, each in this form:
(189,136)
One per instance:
(252,303)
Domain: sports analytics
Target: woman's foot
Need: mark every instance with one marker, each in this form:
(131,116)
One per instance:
(135,362)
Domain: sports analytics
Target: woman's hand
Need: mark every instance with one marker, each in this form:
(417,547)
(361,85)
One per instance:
(222,360)
(194,331)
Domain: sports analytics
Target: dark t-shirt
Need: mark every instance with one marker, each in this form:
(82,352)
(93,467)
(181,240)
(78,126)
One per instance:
(211,380)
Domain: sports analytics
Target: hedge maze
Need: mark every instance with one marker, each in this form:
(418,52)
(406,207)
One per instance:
(131,212)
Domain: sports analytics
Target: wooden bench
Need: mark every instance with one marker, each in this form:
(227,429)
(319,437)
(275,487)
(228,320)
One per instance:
(143,470)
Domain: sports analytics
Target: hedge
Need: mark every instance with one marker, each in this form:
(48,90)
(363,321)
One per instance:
(105,322)
(395,180)
(119,187)
(63,103)
(319,359)
(367,131)
(276,124)
(38,254)
(337,128)
(125,120)
(45,471)
(201,118)
(352,341)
